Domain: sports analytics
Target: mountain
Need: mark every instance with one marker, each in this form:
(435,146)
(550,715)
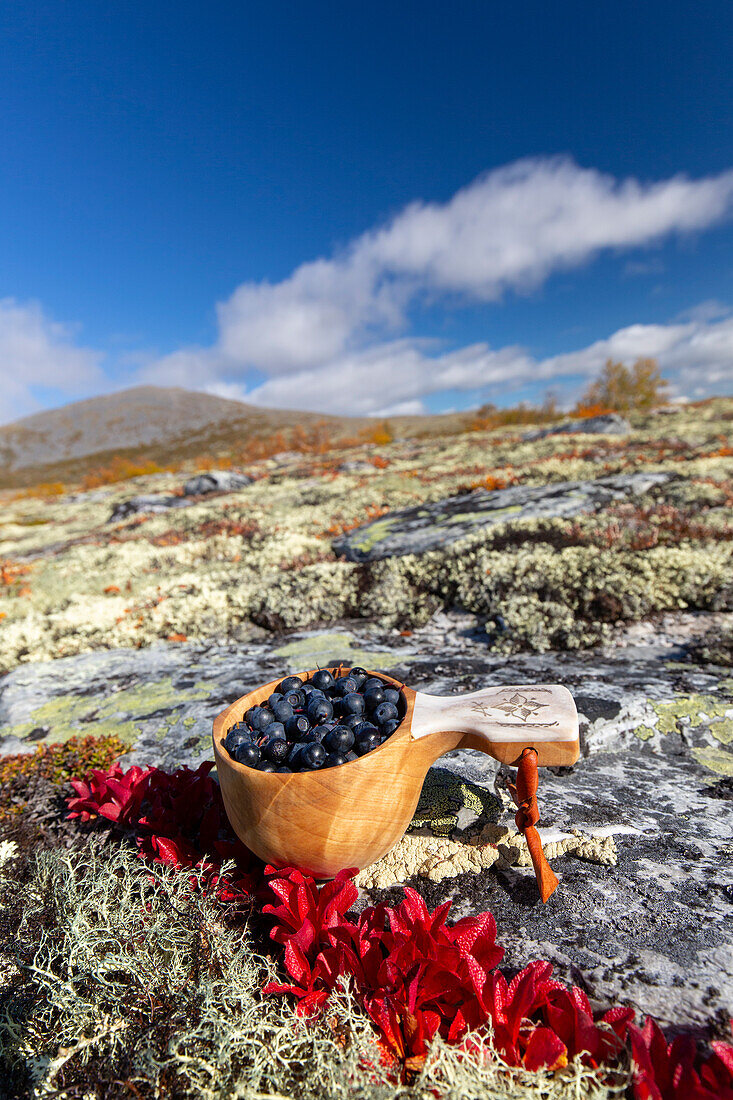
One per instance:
(147,423)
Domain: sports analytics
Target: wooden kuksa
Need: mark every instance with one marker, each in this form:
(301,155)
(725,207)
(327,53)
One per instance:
(349,816)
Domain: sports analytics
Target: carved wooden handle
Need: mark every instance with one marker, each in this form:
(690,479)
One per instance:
(511,714)
(502,721)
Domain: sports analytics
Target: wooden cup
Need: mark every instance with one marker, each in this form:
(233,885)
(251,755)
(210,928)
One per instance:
(349,816)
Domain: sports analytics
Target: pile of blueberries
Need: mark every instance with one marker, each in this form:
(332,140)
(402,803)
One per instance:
(318,723)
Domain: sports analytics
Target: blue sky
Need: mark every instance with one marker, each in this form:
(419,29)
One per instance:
(377,208)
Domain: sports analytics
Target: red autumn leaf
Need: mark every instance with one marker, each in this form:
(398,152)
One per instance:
(545,1050)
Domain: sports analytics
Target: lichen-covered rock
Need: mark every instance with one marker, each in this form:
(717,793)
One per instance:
(606,424)
(150,504)
(216,481)
(639,830)
(227,566)
(431,526)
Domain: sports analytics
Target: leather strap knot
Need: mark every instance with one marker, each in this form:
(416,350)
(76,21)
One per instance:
(527,816)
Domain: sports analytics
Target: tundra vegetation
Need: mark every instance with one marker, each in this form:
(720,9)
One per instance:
(125,976)
(231,566)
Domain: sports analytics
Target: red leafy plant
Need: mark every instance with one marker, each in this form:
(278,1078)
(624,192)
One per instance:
(417,977)
(667,1071)
(177,818)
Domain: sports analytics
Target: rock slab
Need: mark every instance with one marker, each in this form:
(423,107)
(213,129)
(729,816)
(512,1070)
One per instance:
(606,424)
(438,524)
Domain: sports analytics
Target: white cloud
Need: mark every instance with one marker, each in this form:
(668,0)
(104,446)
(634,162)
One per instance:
(513,226)
(334,332)
(38,352)
(393,378)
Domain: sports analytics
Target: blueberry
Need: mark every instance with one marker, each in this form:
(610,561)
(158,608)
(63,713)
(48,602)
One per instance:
(357,670)
(346,684)
(385,712)
(374,682)
(274,698)
(296,726)
(265,766)
(282,710)
(322,679)
(319,710)
(353,703)
(262,719)
(290,683)
(352,720)
(366,744)
(317,733)
(276,750)
(283,768)
(365,729)
(373,697)
(389,727)
(312,756)
(275,729)
(334,759)
(296,699)
(294,755)
(251,715)
(339,740)
(391,695)
(247,754)
(239,734)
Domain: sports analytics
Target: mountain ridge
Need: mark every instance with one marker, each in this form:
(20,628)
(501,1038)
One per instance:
(149,421)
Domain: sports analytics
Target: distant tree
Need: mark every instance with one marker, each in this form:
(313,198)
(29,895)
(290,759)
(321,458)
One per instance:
(382,434)
(623,389)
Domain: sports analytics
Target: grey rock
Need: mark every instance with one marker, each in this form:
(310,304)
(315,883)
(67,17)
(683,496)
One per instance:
(438,524)
(354,466)
(216,481)
(154,502)
(607,424)
(656,771)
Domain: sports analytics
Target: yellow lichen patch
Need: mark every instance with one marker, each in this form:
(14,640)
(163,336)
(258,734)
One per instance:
(320,649)
(718,760)
(696,708)
(119,714)
(722,730)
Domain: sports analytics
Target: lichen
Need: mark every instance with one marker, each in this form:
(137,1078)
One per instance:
(230,566)
(717,760)
(119,714)
(436,858)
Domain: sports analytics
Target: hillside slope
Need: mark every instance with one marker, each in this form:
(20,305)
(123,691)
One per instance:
(169,425)
(140,417)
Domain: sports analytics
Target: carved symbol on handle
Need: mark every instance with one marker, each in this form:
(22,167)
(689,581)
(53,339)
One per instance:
(519,705)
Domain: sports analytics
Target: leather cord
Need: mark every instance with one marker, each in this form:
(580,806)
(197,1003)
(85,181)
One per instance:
(527,816)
